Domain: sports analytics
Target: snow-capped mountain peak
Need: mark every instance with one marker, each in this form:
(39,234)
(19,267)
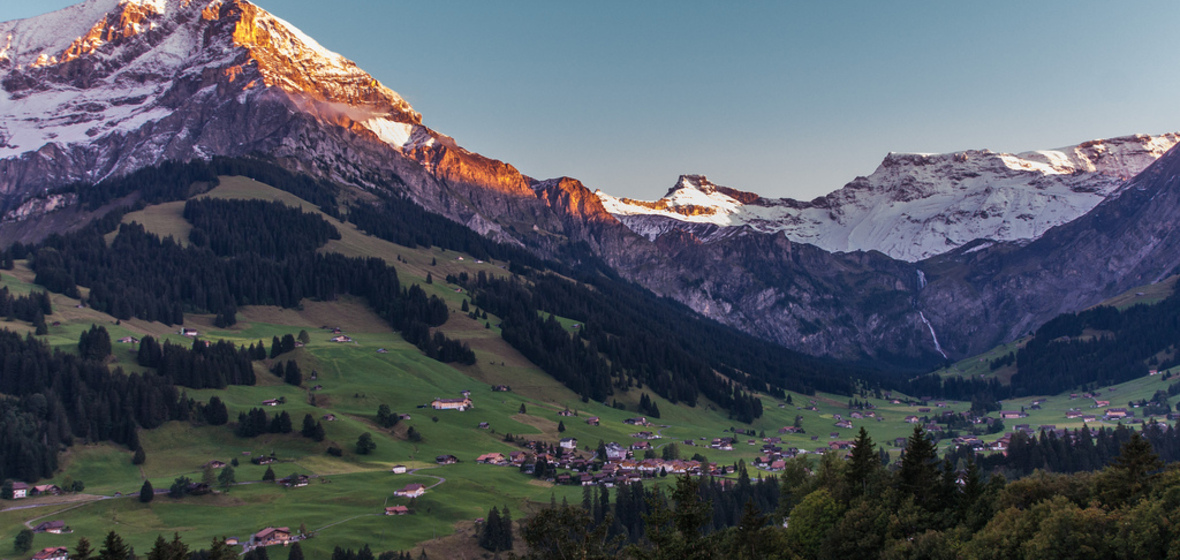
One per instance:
(914,205)
(109,70)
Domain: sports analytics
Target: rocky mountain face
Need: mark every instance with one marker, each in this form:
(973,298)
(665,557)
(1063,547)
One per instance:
(990,293)
(109,86)
(914,206)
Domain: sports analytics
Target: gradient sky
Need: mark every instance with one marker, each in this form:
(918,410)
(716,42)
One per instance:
(782,98)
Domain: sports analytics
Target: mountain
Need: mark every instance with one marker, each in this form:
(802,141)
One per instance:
(914,206)
(106,87)
(994,292)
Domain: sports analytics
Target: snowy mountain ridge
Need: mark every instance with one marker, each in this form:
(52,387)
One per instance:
(88,77)
(913,206)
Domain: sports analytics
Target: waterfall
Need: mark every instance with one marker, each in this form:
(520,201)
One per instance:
(937,346)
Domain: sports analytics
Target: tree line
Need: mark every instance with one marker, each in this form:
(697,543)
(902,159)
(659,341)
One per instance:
(919,507)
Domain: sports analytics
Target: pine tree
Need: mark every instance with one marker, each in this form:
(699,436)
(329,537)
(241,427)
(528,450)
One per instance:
(560,426)
(146,492)
(506,529)
(139,457)
(296,552)
(491,538)
(113,548)
(308,429)
(226,477)
(82,551)
(918,475)
(269,475)
(863,463)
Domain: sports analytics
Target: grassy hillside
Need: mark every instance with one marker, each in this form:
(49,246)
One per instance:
(344,501)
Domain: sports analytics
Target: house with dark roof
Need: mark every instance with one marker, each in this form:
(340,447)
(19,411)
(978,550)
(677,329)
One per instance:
(271,536)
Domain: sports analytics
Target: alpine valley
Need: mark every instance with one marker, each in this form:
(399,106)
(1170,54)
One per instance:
(173,170)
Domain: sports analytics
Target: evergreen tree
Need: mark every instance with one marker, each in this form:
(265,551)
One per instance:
(226,478)
(113,548)
(863,463)
(918,475)
(139,457)
(216,413)
(269,475)
(491,537)
(82,550)
(560,426)
(308,429)
(146,492)
(506,529)
(296,552)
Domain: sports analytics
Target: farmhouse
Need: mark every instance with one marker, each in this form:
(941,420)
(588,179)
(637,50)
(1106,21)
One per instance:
(593,420)
(188,332)
(640,421)
(410,491)
(52,553)
(215,464)
(20,490)
(398,469)
(446,459)
(501,388)
(340,338)
(296,481)
(1116,413)
(270,402)
(452,404)
(56,527)
(129,340)
(567,412)
(569,443)
(1009,414)
(491,459)
(397,510)
(51,489)
(272,536)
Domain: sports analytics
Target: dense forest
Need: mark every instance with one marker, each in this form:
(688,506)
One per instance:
(1098,347)
(1079,450)
(55,398)
(140,275)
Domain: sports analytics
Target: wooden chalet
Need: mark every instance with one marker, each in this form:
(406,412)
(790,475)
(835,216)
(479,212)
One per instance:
(452,404)
(272,536)
(411,491)
(53,553)
(56,527)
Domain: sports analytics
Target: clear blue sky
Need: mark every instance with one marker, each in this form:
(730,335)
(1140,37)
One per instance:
(781,98)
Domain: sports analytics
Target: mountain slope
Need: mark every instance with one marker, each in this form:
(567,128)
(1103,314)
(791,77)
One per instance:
(987,294)
(913,206)
(107,87)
